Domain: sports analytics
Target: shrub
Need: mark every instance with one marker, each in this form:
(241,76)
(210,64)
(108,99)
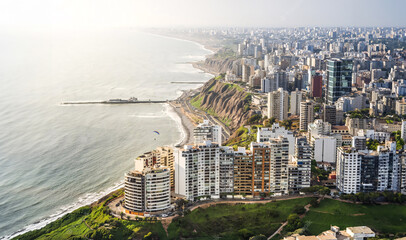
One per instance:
(314,203)
(299,209)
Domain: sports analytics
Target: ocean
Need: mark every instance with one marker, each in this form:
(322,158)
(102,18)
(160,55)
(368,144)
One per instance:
(55,158)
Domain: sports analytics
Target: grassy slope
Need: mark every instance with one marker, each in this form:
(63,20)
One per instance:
(243,138)
(382,218)
(73,226)
(225,220)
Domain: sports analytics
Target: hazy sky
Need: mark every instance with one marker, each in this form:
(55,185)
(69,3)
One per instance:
(168,13)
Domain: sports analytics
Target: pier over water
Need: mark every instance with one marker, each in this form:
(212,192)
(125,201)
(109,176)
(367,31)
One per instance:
(116,101)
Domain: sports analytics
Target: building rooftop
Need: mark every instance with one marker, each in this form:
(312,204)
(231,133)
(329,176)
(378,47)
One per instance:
(338,127)
(360,230)
(307,238)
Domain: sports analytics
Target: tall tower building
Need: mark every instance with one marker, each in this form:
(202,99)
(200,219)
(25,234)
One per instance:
(339,79)
(329,114)
(147,191)
(270,166)
(278,104)
(300,167)
(403,130)
(203,170)
(348,170)
(295,100)
(306,114)
(316,86)
(162,156)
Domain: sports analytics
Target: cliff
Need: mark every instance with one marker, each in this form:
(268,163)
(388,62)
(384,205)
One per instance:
(228,102)
(215,66)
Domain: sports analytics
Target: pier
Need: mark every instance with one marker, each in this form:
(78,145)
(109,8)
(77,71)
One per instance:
(114,101)
(187,82)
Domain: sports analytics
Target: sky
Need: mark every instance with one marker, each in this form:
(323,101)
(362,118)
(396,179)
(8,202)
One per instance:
(201,13)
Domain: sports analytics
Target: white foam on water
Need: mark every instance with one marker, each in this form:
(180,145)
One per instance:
(82,201)
(174,115)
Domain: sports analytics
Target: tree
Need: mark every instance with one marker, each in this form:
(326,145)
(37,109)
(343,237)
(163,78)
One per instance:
(258,237)
(148,236)
(314,203)
(245,233)
(299,209)
(286,123)
(399,141)
(294,222)
(372,144)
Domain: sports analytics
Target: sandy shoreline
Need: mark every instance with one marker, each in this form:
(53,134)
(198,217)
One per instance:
(186,123)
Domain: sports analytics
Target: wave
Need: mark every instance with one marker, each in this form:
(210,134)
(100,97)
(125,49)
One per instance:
(84,200)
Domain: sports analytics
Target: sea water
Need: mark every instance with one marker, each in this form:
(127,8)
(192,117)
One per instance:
(55,158)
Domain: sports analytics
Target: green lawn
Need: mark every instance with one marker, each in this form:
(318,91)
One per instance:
(102,226)
(232,221)
(384,219)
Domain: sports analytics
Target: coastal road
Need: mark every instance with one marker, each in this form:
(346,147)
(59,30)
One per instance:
(185,101)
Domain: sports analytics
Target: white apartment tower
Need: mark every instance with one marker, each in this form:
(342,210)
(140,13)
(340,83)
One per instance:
(147,191)
(306,114)
(295,100)
(403,130)
(366,170)
(348,170)
(203,170)
(278,104)
(207,132)
(265,134)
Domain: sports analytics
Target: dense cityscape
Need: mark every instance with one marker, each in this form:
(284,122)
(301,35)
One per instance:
(175,120)
(327,117)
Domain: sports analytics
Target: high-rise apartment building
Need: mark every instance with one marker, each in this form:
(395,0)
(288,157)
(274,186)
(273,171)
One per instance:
(306,114)
(147,191)
(278,104)
(318,128)
(329,114)
(295,100)
(162,156)
(403,130)
(265,134)
(339,79)
(270,166)
(365,170)
(348,170)
(316,86)
(324,149)
(243,172)
(203,170)
(207,132)
(300,166)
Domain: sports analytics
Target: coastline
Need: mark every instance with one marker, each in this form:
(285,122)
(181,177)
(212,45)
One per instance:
(186,124)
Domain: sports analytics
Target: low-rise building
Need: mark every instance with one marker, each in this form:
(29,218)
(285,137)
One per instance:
(350,233)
